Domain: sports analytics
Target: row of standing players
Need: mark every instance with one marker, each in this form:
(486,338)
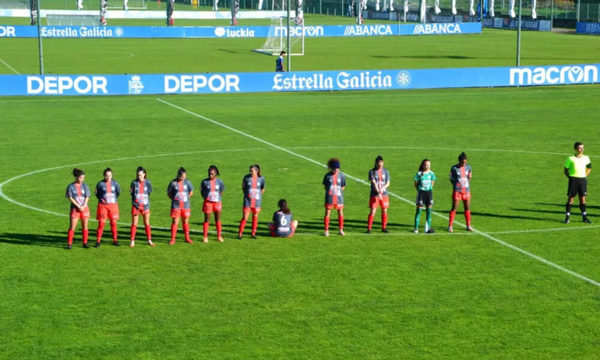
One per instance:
(180,190)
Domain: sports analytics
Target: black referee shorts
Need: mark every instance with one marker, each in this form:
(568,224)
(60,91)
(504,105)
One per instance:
(577,186)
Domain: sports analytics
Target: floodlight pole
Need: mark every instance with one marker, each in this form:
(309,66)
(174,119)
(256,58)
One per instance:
(289,51)
(519,35)
(40,47)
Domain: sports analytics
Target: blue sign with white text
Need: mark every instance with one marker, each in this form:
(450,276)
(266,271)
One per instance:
(297,81)
(591,28)
(228,32)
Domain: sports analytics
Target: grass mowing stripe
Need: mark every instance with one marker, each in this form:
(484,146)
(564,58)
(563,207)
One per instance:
(487,236)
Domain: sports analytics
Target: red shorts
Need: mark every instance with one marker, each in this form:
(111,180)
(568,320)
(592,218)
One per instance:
(177,213)
(254,210)
(135,211)
(83,215)
(107,211)
(334,206)
(376,201)
(209,207)
(461,196)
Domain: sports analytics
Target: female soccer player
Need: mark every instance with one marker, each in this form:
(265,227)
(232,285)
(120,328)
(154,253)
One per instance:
(253,186)
(460,175)
(140,191)
(211,189)
(107,191)
(380,181)
(180,190)
(424,180)
(334,183)
(283,224)
(78,194)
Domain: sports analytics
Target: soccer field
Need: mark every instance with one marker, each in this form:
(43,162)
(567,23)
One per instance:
(522,286)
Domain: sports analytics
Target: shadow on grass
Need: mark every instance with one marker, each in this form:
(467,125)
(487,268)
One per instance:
(454,57)
(575,205)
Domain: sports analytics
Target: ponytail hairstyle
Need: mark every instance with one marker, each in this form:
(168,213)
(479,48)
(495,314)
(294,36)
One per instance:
(333,163)
(462,156)
(283,206)
(377,159)
(215,168)
(422,166)
(78,172)
(140,168)
(257,167)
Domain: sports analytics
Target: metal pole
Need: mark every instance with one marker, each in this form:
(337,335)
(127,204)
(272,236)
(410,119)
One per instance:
(578,9)
(40,47)
(519,35)
(289,50)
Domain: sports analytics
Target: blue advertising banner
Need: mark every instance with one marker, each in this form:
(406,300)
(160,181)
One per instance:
(590,28)
(297,81)
(508,23)
(18,31)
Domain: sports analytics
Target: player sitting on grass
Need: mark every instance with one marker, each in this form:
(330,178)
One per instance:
(283,224)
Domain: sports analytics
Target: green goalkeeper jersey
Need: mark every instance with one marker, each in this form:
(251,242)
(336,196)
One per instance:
(425,180)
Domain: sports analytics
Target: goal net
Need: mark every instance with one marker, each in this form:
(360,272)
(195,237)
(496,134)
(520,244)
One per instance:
(277,38)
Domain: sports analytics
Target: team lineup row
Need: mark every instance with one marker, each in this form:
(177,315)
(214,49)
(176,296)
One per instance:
(180,190)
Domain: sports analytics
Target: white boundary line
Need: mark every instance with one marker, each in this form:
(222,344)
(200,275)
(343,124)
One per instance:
(10,67)
(490,237)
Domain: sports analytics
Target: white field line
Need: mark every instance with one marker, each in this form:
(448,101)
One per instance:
(5,197)
(490,237)
(10,67)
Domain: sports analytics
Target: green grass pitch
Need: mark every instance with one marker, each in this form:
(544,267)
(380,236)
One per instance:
(378,296)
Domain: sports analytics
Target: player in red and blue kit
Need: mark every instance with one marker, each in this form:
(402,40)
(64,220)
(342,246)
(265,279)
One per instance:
(107,191)
(78,194)
(334,183)
(211,189)
(379,177)
(180,190)
(140,190)
(460,176)
(253,186)
(283,224)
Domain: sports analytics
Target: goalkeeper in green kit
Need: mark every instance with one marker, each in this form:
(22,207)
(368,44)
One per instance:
(424,180)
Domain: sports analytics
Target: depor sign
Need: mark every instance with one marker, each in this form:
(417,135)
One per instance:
(58,85)
(197,83)
(7,31)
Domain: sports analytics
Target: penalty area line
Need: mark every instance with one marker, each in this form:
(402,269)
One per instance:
(10,67)
(485,235)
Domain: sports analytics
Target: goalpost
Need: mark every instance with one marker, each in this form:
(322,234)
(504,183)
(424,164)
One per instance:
(277,37)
